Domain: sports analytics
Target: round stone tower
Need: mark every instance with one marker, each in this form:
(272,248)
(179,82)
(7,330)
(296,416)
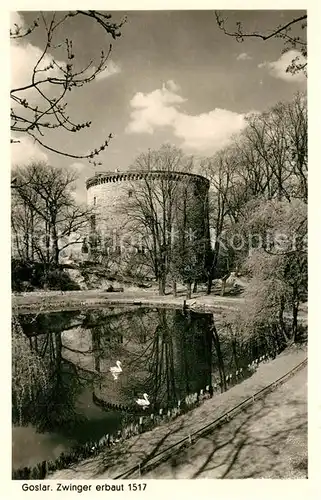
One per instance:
(117,197)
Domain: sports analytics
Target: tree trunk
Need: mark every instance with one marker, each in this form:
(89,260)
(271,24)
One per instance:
(295,310)
(212,267)
(47,238)
(174,289)
(209,283)
(281,318)
(32,235)
(195,287)
(55,247)
(161,285)
(189,290)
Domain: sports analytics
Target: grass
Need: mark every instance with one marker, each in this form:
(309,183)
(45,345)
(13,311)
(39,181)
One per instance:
(268,440)
(139,449)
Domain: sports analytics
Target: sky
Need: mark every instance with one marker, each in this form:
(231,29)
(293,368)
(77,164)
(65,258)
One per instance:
(173,77)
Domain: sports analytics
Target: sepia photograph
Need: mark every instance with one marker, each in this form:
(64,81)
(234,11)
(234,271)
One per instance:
(159,249)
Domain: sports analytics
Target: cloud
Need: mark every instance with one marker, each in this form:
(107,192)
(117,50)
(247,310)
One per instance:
(79,191)
(24,57)
(209,130)
(26,151)
(111,69)
(78,166)
(277,69)
(156,109)
(172,86)
(243,57)
(161,108)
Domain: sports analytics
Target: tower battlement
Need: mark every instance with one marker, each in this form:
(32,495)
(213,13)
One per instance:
(109,177)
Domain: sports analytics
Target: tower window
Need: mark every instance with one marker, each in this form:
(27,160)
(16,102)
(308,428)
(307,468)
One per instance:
(130,194)
(94,200)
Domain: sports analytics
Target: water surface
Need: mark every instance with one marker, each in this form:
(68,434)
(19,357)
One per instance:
(167,354)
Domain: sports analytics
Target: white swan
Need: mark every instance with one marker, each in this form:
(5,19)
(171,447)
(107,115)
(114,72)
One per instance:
(143,402)
(116,370)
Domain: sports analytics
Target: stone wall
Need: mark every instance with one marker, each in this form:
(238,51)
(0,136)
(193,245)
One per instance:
(111,195)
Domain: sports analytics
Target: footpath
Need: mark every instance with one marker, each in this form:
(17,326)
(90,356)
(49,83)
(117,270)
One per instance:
(89,299)
(143,448)
(267,440)
(55,301)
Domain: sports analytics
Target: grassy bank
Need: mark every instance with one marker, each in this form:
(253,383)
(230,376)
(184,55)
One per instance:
(266,440)
(114,461)
(54,301)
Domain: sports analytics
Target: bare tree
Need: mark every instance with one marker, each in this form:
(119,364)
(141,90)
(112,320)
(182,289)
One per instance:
(52,80)
(24,224)
(45,193)
(152,207)
(277,141)
(295,116)
(160,213)
(265,203)
(226,197)
(283,31)
(268,161)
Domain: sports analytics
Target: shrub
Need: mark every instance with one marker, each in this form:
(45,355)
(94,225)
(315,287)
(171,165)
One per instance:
(28,276)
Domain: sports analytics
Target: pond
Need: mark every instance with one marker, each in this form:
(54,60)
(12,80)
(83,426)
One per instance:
(99,364)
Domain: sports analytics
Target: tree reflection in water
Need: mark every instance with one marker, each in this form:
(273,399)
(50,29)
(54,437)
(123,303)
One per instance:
(54,408)
(164,353)
(167,354)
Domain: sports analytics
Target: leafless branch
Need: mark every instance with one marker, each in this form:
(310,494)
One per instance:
(51,81)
